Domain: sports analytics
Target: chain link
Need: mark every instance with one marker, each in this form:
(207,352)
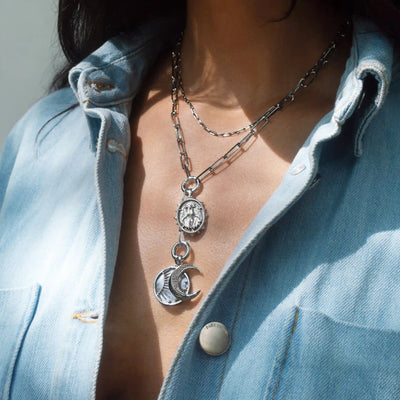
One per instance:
(254,127)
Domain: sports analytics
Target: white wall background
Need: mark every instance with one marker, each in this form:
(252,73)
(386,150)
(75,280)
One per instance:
(29,56)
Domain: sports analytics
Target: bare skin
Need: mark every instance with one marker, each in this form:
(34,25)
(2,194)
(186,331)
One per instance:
(234,68)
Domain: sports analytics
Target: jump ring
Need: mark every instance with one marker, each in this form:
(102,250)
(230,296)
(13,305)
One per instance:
(189,180)
(178,257)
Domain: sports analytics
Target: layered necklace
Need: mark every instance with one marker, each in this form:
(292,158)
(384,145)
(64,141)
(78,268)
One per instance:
(172,284)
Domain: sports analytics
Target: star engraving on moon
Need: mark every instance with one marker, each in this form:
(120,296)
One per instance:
(162,289)
(174,282)
(191,215)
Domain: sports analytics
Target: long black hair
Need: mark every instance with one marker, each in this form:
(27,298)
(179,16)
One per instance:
(84,25)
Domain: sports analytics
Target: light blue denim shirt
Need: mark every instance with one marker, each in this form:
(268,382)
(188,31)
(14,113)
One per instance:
(310,296)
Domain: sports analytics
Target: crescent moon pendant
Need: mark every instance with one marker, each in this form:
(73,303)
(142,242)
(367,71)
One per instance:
(161,288)
(175,279)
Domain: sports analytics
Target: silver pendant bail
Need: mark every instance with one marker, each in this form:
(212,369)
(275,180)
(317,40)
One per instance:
(187,185)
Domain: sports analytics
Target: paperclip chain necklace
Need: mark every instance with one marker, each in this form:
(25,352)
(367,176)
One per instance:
(172,284)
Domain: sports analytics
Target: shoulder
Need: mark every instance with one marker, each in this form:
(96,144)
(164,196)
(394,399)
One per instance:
(20,148)
(36,118)
(24,133)
(43,111)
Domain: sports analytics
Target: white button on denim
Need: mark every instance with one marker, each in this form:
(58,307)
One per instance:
(116,147)
(214,338)
(297,169)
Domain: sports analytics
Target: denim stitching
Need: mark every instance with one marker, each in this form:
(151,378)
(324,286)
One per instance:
(100,203)
(373,69)
(93,389)
(87,100)
(89,72)
(286,354)
(342,110)
(125,57)
(380,76)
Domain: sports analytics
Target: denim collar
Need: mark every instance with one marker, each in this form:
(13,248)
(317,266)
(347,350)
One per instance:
(113,74)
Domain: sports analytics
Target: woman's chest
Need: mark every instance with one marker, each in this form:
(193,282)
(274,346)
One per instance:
(142,335)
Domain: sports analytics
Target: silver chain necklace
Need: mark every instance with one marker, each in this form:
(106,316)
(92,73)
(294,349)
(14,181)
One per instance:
(172,284)
(304,82)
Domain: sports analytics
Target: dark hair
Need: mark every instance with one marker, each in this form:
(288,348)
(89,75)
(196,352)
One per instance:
(84,25)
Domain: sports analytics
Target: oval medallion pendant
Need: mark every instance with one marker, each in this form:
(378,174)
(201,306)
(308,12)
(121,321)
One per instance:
(162,289)
(191,215)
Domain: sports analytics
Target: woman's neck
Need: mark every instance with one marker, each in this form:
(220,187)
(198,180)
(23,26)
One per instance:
(235,54)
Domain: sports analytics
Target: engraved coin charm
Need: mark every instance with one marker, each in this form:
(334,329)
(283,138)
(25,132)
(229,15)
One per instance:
(191,215)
